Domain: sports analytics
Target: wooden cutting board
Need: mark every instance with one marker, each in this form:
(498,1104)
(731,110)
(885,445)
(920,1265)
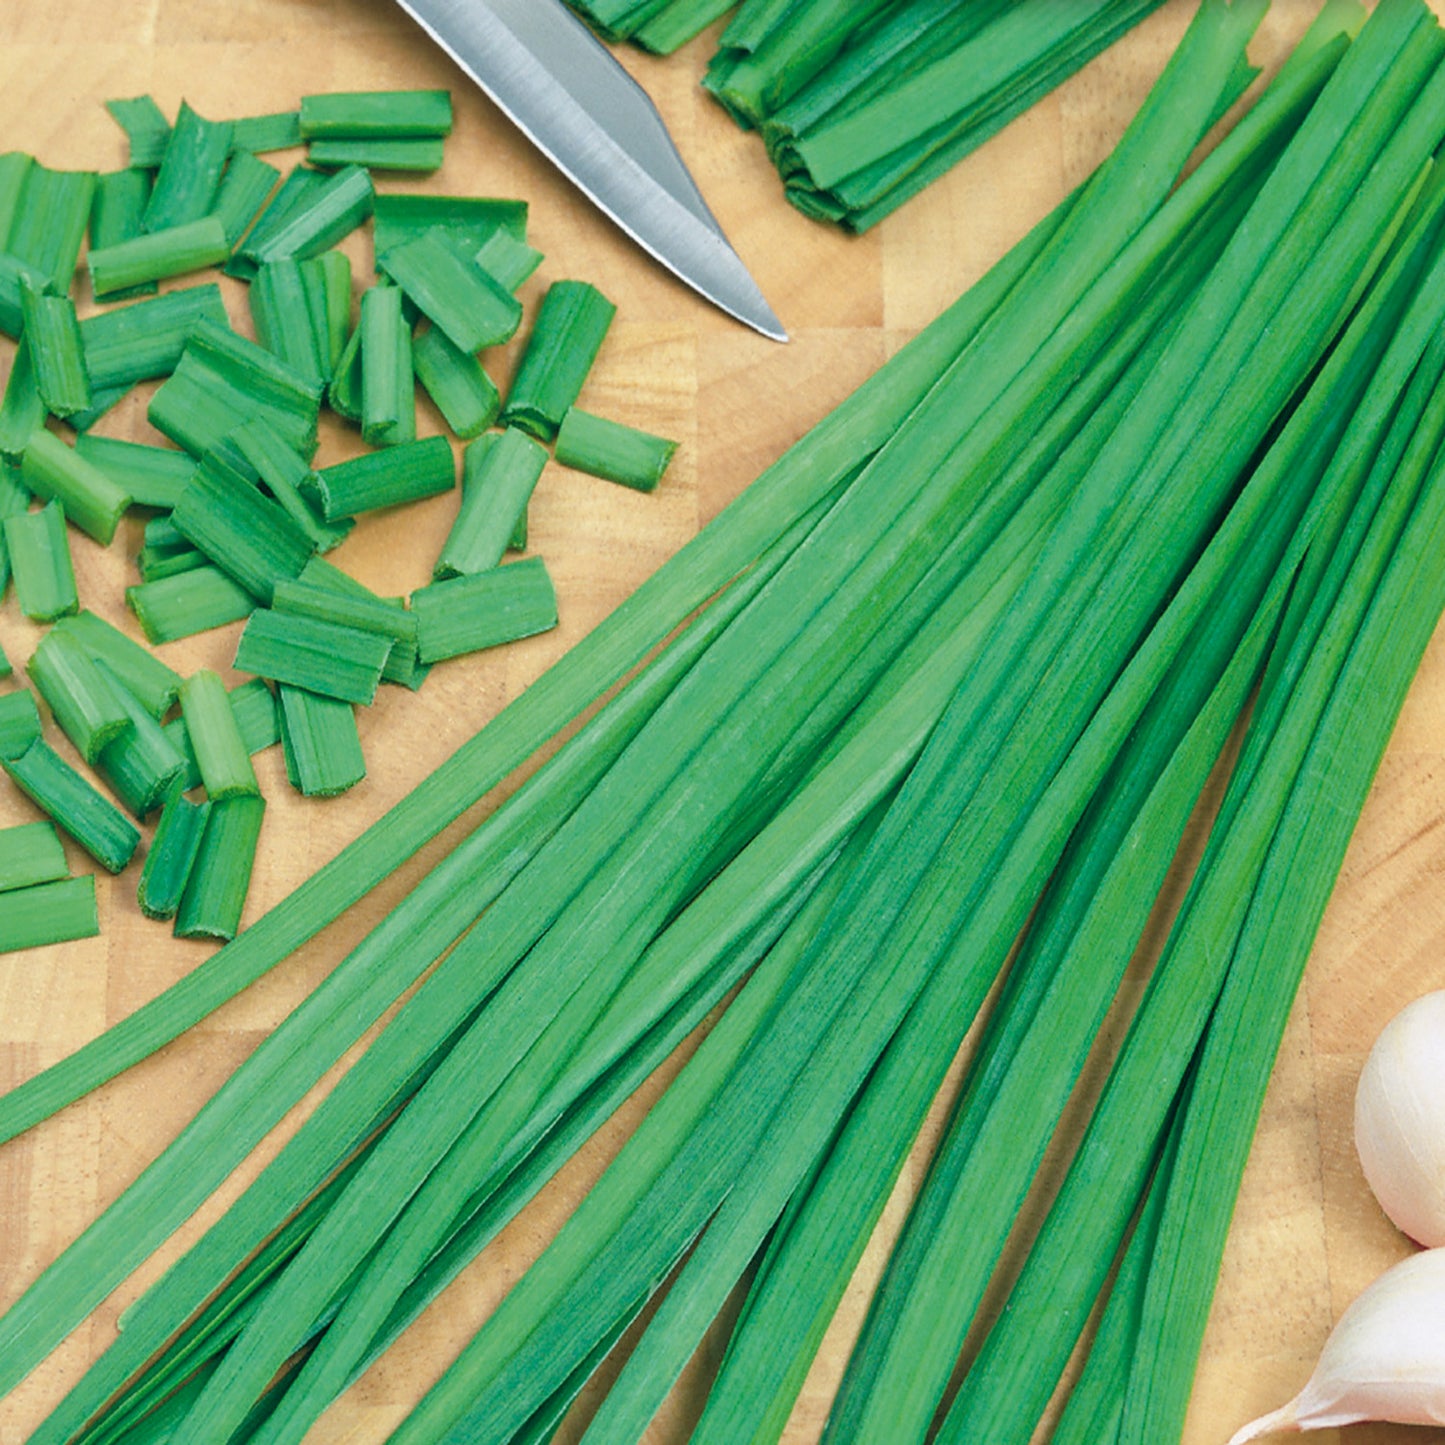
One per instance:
(1307,1235)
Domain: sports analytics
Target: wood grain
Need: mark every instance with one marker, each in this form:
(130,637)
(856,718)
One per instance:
(1307,1235)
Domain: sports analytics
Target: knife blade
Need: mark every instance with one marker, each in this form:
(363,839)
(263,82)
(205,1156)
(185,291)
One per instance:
(571,98)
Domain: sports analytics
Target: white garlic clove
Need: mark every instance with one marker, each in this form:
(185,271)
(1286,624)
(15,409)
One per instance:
(1400,1119)
(1384,1360)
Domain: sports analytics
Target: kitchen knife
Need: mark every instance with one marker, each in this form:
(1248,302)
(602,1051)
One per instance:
(568,95)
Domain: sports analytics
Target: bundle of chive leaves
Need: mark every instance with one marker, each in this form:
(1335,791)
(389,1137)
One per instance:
(954,670)
(863,105)
(239,518)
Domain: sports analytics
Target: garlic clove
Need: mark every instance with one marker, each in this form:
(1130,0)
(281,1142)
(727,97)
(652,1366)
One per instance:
(1384,1360)
(1400,1119)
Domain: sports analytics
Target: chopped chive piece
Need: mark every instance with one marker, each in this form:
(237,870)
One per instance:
(154,685)
(277,131)
(508,260)
(499,473)
(324,657)
(190,602)
(153,564)
(402,664)
(609,449)
(215,894)
(62,794)
(245,534)
(57,912)
(363,610)
(146,128)
(159,254)
(40,562)
(328,293)
(19,722)
(30,853)
(15,276)
(570,326)
(283,317)
(56,472)
(378,153)
(344,390)
(153,476)
(14,167)
(116,210)
(53,331)
(6,668)
(190,172)
(517,542)
(222,380)
(300,185)
(254,707)
(22,412)
(162,534)
(14,498)
(172,854)
(388,391)
(448,286)
(486,609)
(220,750)
(404,473)
(141,763)
(100,403)
(316,221)
(465,395)
(242,193)
(286,475)
(147,340)
(320,742)
(472,219)
(83,699)
(50,225)
(377,113)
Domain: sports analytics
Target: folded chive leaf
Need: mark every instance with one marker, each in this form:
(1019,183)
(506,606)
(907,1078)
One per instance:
(465,395)
(158,255)
(315,220)
(320,742)
(82,697)
(247,535)
(30,853)
(22,412)
(388,390)
(508,260)
(19,722)
(283,317)
(92,500)
(15,276)
(145,127)
(220,877)
(471,219)
(62,794)
(40,562)
(215,735)
(612,450)
(448,286)
(247,183)
(189,602)
(154,685)
(378,153)
(277,131)
(172,854)
(152,476)
(222,380)
(190,171)
(48,913)
(53,331)
(116,211)
(404,473)
(377,113)
(287,476)
(565,340)
(254,707)
(499,473)
(485,609)
(141,763)
(51,221)
(326,657)
(145,341)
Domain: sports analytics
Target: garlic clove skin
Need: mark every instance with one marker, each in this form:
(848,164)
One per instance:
(1400,1119)
(1384,1360)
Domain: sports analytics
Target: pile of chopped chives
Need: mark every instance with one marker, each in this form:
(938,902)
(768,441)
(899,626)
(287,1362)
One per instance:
(863,105)
(238,514)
